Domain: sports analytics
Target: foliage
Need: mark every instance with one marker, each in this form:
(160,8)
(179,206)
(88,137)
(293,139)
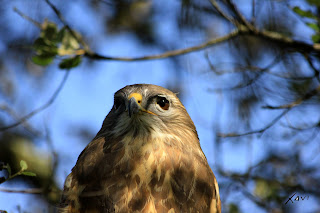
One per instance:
(261,69)
(53,42)
(315,25)
(24,167)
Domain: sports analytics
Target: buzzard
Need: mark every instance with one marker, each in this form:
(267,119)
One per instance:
(145,158)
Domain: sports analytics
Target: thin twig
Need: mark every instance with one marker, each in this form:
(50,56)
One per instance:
(23,191)
(240,16)
(290,125)
(286,108)
(269,35)
(223,14)
(239,86)
(306,97)
(14,115)
(257,70)
(315,70)
(240,68)
(253,11)
(74,35)
(273,122)
(167,54)
(287,41)
(41,108)
(37,24)
(52,150)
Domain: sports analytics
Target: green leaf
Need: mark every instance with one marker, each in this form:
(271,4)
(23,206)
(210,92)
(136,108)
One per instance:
(29,174)
(69,44)
(304,13)
(42,60)
(70,62)
(45,47)
(314,26)
(23,165)
(50,32)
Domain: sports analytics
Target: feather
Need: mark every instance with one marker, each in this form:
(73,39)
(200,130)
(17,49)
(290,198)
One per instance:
(145,162)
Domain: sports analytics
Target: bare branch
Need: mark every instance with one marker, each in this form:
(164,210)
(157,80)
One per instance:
(240,16)
(288,42)
(37,24)
(52,150)
(315,70)
(239,86)
(273,122)
(269,35)
(306,97)
(287,108)
(291,126)
(253,11)
(240,68)
(23,191)
(171,53)
(223,14)
(246,29)
(13,114)
(41,108)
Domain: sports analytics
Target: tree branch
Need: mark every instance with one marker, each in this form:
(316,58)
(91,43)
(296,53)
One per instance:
(167,54)
(240,16)
(287,41)
(239,86)
(306,97)
(41,108)
(286,107)
(253,12)
(13,114)
(74,35)
(273,122)
(268,35)
(23,191)
(37,24)
(315,70)
(223,14)
(242,29)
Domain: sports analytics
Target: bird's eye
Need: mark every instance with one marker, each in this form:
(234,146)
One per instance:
(163,103)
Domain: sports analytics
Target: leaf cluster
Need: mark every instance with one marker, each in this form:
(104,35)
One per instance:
(53,42)
(315,19)
(22,171)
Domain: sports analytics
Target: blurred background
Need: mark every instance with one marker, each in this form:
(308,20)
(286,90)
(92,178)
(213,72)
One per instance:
(252,92)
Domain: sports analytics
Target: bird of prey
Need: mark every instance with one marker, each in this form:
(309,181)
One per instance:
(145,158)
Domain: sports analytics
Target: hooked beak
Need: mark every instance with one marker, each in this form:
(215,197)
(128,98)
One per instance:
(134,105)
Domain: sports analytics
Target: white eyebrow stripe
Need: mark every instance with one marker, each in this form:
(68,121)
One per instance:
(145,92)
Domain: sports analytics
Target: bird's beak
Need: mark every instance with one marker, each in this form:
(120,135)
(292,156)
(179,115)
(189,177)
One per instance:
(134,104)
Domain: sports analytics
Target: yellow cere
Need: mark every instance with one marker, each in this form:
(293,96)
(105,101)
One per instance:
(137,96)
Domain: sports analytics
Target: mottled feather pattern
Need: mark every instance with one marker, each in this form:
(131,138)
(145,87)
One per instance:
(145,163)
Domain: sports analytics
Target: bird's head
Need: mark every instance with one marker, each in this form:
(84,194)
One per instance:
(141,108)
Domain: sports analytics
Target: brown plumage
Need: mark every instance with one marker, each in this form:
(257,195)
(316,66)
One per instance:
(145,158)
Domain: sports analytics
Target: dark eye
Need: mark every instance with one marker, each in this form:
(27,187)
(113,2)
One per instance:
(163,103)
